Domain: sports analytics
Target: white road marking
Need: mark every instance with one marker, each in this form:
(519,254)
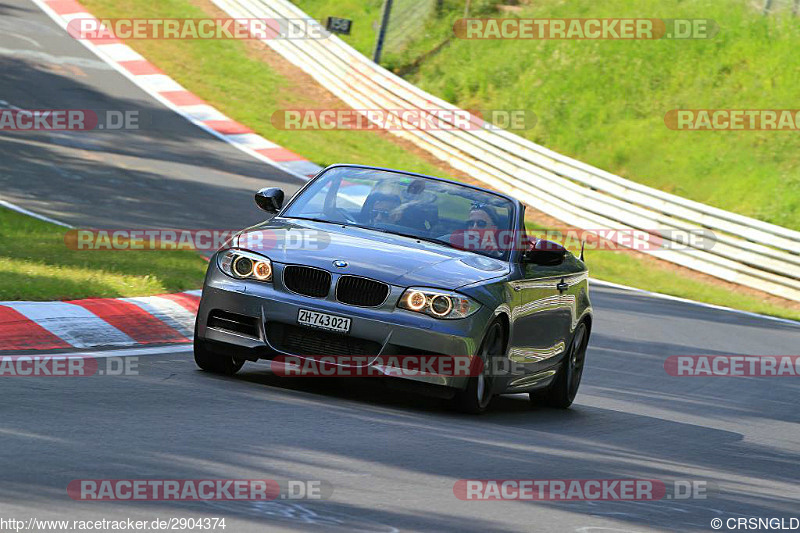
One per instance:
(202,112)
(34,42)
(158,83)
(251,140)
(693,302)
(119,52)
(24,211)
(126,352)
(44,57)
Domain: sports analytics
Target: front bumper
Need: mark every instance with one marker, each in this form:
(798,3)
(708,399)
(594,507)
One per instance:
(391,330)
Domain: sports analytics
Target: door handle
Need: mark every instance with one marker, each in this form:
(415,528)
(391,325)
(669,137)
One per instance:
(562,286)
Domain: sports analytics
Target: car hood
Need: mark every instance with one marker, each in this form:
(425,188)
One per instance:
(393,259)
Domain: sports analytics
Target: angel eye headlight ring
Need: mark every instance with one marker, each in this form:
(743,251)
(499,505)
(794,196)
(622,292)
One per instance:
(438,303)
(441,305)
(243,264)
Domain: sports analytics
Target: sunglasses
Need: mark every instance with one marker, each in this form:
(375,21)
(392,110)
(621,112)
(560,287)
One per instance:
(477,223)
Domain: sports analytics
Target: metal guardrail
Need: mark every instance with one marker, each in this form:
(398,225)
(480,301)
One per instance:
(749,252)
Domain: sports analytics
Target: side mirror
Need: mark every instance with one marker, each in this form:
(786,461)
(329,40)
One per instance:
(545,253)
(270,199)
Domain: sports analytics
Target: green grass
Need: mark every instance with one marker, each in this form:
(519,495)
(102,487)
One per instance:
(229,77)
(614,266)
(603,102)
(36,264)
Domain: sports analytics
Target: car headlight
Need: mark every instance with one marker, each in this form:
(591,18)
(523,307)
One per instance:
(241,264)
(438,303)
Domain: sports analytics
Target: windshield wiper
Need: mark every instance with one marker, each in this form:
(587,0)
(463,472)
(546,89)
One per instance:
(324,221)
(416,237)
(434,241)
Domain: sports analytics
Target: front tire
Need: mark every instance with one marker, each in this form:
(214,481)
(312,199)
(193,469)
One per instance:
(213,362)
(562,392)
(475,398)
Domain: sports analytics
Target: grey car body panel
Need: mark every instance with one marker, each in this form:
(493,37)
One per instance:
(403,260)
(540,319)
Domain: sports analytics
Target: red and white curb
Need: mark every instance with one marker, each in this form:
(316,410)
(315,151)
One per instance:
(162,319)
(154,82)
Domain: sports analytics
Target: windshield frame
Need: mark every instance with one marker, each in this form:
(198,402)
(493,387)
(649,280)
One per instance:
(516,206)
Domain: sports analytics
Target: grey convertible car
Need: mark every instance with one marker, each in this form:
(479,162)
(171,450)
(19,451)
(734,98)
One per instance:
(372,262)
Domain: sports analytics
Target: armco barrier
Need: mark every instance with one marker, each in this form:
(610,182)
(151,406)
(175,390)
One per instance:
(748,252)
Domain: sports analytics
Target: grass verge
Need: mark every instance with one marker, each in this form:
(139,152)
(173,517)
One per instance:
(36,264)
(604,101)
(233,77)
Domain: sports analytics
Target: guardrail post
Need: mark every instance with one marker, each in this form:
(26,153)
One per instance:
(387,9)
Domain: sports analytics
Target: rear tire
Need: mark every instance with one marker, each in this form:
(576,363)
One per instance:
(564,388)
(475,398)
(213,362)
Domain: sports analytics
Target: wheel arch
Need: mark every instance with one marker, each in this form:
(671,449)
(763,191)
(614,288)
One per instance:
(505,321)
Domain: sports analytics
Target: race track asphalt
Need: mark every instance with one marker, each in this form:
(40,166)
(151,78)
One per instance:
(392,457)
(168,173)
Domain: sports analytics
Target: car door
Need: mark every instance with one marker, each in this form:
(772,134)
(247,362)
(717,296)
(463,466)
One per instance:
(541,314)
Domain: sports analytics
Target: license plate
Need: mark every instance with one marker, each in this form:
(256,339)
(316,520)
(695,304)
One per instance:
(314,319)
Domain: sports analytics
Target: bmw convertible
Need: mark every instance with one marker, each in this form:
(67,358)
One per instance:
(363,263)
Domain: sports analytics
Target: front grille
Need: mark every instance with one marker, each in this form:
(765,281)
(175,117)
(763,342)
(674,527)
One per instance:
(306,280)
(361,291)
(245,325)
(299,340)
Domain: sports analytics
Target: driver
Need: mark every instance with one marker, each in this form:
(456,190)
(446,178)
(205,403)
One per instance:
(481,232)
(482,217)
(385,209)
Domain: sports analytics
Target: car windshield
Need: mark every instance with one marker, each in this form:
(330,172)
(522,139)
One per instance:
(414,206)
